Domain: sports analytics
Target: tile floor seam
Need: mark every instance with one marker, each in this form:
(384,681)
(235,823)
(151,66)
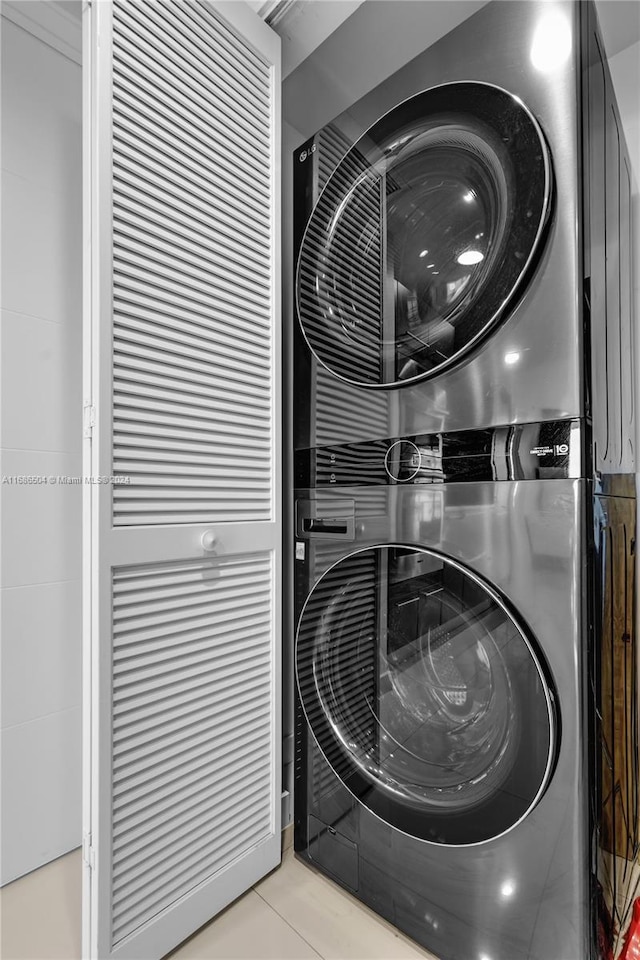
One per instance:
(290,925)
(362,907)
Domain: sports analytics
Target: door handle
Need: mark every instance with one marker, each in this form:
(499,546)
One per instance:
(323,525)
(331,520)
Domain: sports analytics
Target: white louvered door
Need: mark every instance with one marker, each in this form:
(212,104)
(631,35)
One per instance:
(183,549)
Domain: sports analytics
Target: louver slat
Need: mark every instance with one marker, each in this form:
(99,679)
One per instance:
(157,373)
(134,310)
(192,280)
(172,76)
(146,819)
(154,398)
(166,837)
(179,335)
(188,715)
(154,117)
(236,839)
(192,35)
(197,28)
(230,310)
(153,336)
(135,237)
(141,221)
(162,172)
(145,267)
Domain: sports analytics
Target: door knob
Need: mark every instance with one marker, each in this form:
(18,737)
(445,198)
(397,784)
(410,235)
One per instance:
(208,540)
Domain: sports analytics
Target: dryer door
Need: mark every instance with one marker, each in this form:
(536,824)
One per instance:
(423,235)
(425,695)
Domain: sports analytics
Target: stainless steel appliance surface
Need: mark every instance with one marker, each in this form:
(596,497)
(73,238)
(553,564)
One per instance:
(455,236)
(435,209)
(467,758)
(441,770)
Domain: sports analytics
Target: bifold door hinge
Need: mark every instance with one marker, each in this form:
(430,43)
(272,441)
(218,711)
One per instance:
(89,419)
(88,851)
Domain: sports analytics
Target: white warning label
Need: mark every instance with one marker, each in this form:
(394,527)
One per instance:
(559,450)
(542,451)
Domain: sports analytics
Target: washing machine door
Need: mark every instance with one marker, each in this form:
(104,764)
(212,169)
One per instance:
(425,695)
(423,235)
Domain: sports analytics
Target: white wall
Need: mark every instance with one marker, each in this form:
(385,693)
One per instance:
(40,396)
(625,74)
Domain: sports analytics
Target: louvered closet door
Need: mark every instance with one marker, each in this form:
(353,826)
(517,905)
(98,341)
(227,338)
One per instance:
(182,369)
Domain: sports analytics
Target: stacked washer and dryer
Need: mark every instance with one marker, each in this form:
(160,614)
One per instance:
(466,746)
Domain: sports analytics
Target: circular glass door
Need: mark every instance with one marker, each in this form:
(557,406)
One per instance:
(425,695)
(423,235)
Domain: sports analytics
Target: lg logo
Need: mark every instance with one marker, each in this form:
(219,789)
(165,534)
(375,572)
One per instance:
(307,153)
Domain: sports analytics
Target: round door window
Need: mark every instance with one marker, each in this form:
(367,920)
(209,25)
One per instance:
(423,235)
(425,695)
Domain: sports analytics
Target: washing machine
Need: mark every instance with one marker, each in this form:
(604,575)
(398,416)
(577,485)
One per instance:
(450,232)
(442,757)
(446,665)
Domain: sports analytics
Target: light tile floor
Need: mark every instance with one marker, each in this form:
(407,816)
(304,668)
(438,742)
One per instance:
(294,913)
(40,914)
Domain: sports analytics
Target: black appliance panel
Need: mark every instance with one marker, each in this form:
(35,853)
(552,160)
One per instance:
(528,451)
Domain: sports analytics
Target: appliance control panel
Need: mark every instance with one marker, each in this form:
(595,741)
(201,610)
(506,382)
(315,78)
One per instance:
(526,451)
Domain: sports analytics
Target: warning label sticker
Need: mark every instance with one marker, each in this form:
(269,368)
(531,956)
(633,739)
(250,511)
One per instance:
(542,451)
(558,450)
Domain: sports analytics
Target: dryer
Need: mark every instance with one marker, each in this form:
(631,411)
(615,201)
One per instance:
(449,229)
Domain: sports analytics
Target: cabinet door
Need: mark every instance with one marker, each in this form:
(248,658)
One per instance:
(183,499)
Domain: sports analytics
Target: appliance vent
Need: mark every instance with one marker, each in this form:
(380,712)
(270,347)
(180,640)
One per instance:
(192,735)
(192,275)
